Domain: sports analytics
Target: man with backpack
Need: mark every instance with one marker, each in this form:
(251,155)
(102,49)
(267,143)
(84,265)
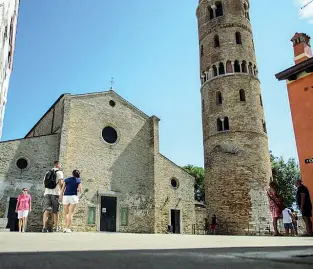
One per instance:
(52,183)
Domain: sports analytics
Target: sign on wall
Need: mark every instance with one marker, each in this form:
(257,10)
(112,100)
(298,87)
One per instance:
(308,160)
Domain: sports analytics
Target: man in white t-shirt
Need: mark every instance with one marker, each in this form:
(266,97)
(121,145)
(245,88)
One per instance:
(287,220)
(52,184)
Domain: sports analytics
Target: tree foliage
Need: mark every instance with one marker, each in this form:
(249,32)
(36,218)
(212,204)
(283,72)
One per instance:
(198,173)
(285,175)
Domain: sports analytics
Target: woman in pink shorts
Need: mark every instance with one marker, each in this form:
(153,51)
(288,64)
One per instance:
(23,207)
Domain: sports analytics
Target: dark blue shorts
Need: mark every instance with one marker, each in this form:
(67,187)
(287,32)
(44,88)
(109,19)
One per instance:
(288,226)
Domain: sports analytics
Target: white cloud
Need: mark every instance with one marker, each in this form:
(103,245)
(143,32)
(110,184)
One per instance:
(307,12)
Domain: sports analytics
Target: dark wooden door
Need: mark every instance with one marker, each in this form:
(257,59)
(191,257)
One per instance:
(108,214)
(12,215)
(175,221)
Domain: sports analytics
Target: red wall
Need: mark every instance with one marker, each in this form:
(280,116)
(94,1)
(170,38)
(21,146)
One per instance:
(301,104)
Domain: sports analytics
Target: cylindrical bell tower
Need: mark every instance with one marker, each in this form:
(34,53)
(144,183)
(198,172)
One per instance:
(237,160)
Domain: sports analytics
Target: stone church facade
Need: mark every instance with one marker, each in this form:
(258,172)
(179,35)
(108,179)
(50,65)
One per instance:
(236,154)
(128,185)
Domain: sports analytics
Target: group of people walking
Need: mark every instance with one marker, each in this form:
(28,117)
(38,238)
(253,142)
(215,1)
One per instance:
(57,191)
(290,219)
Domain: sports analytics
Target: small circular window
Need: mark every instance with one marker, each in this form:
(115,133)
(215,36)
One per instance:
(174,183)
(22,163)
(112,103)
(109,135)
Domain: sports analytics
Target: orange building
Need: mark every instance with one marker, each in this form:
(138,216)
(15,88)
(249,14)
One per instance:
(299,80)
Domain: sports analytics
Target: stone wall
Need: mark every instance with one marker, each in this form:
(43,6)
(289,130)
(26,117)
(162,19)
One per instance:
(167,197)
(236,181)
(124,169)
(239,155)
(201,214)
(40,153)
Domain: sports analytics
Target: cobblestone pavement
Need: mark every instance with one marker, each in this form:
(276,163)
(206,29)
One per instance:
(108,250)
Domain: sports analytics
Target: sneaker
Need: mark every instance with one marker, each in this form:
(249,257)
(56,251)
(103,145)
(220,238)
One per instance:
(56,229)
(44,230)
(67,230)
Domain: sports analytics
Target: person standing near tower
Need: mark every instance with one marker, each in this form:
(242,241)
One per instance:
(305,205)
(275,204)
(237,159)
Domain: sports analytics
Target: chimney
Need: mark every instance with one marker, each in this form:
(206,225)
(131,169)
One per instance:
(301,47)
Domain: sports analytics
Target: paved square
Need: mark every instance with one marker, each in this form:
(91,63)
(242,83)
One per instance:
(116,250)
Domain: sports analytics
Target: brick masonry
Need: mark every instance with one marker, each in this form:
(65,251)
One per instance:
(132,169)
(237,162)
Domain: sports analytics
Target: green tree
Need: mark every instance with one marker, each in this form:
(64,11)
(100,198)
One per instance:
(198,174)
(285,174)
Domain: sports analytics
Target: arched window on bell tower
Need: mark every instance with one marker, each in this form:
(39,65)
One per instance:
(211,13)
(238,38)
(216,41)
(226,124)
(219,9)
(237,66)
(214,71)
(246,10)
(219,99)
(221,69)
(242,95)
(250,68)
(244,67)
(229,67)
(219,125)
(222,124)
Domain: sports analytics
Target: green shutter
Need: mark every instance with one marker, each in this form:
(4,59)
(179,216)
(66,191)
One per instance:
(91,215)
(124,216)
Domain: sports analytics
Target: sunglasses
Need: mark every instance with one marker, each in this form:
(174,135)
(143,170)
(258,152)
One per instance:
(25,190)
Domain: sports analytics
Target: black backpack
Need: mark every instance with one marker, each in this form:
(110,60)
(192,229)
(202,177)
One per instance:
(51,179)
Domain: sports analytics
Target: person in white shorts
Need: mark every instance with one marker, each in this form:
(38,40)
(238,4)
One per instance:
(23,207)
(71,190)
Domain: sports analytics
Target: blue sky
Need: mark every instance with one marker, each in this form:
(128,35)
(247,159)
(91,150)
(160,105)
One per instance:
(151,50)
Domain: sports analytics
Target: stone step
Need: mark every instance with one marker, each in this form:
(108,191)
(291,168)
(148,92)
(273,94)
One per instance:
(4,230)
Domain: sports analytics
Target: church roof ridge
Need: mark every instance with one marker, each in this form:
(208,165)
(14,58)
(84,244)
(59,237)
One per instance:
(175,164)
(53,105)
(111,91)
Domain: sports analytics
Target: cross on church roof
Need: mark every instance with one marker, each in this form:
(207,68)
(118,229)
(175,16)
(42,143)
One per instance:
(112,83)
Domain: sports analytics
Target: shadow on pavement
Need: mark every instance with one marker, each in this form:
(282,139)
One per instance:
(234,258)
